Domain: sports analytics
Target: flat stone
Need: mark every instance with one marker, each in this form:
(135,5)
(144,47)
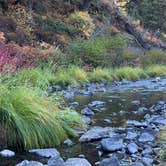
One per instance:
(113,161)
(158,120)
(131,135)
(146,137)
(132,148)
(137,164)
(147,161)
(77,162)
(96,133)
(148,150)
(56,161)
(29,163)
(7,153)
(112,144)
(135,102)
(96,103)
(52,152)
(136,123)
(88,112)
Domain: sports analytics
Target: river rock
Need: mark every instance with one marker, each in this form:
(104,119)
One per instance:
(112,161)
(7,153)
(135,102)
(147,161)
(96,133)
(158,120)
(77,162)
(132,148)
(131,135)
(148,150)
(112,144)
(137,164)
(68,142)
(88,112)
(136,123)
(96,103)
(52,152)
(29,163)
(86,120)
(142,110)
(56,161)
(146,137)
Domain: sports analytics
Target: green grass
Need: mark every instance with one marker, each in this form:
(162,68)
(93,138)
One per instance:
(28,120)
(99,75)
(156,70)
(129,73)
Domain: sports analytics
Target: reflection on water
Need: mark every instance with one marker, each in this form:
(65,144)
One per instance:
(118,109)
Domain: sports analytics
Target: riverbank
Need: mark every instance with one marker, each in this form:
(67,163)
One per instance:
(123,110)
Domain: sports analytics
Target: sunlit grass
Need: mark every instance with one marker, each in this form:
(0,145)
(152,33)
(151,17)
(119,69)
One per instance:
(156,70)
(129,73)
(100,74)
(32,121)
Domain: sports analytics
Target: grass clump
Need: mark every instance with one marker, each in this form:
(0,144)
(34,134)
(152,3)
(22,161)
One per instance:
(70,75)
(34,78)
(129,73)
(156,70)
(28,120)
(100,74)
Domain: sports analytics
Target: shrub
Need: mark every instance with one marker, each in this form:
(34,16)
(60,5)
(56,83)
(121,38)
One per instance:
(154,57)
(129,73)
(156,70)
(100,51)
(28,120)
(100,74)
(83,22)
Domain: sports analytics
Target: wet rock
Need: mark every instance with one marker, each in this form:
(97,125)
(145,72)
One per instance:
(136,123)
(158,120)
(29,163)
(147,161)
(132,148)
(81,156)
(131,135)
(146,137)
(68,142)
(96,103)
(137,164)
(112,144)
(96,133)
(88,112)
(74,104)
(135,102)
(86,120)
(148,150)
(142,110)
(52,152)
(56,161)
(107,121)
(7,153)
(77,162)
(112,161)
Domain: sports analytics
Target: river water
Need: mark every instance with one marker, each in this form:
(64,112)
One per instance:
(118,109)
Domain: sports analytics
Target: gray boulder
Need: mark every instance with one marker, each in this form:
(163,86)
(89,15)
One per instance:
(77,162)
(113,161)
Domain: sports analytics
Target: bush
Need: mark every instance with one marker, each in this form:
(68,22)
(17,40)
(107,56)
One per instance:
(28,120)
(156,70)
(154,57)
(100,74)
(83,22)
(100,51)
(129,73)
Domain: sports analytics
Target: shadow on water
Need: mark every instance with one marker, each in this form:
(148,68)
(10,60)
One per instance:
(118,109)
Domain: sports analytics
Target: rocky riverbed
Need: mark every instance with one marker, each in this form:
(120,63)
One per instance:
(123,119)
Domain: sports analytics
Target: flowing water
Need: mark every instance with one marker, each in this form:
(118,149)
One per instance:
(118,109)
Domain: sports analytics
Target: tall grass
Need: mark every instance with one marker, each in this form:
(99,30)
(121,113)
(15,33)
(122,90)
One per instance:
(100,74)
(129,73)
(156,70)
(32,121)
